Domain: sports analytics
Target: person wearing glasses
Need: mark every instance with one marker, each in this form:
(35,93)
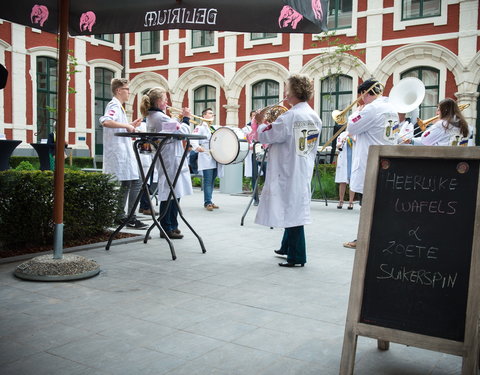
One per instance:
(118,156)
(209,167)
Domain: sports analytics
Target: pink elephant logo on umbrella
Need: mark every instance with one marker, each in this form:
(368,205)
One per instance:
(87,20)
(39,14)
(291,17)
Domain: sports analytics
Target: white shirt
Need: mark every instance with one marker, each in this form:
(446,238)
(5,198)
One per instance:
(439,135)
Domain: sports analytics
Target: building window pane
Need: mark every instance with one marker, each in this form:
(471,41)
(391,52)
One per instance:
(105,37)
(431,79)
(412,9)
(265,93)
(201,38)
(257,36)
(204,97)
(103,94)
(46,96)
(336,93)
(339,14)
(149,42)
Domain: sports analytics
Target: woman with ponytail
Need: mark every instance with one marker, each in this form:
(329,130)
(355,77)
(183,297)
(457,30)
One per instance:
(153,107)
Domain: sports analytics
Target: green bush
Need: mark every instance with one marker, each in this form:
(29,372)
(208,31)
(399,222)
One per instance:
(26,206)
(78,162)
(25,166)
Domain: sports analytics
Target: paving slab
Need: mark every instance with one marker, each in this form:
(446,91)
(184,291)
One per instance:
(229,311)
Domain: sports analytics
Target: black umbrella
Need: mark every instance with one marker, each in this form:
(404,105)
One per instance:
(87,17)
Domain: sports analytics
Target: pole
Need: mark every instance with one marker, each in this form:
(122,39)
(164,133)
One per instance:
(58,193)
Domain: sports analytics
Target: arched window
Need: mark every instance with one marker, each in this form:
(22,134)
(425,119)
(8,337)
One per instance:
(46,95)
(265,93)
(204,97)
(336,93)
(103,95)
(431,79)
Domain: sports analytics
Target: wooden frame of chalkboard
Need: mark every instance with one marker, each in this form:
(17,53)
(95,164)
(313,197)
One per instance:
(417,263)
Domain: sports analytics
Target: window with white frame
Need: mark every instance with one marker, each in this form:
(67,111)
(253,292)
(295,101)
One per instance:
(258,36)
(202,38)
(339,14)
(105,37)
(431,79)
(204,97)
(149,42)
(336,93)
(265,93)
(46,95)
(412,9)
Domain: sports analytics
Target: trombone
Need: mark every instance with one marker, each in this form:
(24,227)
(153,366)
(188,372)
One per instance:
(340,116)
(207,120)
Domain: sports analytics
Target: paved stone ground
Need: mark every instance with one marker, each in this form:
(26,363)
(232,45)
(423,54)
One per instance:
(229,311)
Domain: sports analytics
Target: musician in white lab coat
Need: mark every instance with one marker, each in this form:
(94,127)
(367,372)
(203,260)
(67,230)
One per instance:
(293,140)
(343,170)
(153,107)
(375,122)
(451,129)
(209,167)
(118,155)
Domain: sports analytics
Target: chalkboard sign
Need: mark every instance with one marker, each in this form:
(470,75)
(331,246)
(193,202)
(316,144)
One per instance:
(417,262)
(419,255)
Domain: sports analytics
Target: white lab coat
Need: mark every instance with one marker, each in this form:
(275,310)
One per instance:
(118,155)
(375,124)
(172,152)
(438,135)
(341,171)
(147,157)
(285,199)
(205,160)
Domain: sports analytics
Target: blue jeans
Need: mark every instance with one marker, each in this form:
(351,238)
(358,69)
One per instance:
(193,162)
(209,176)
(169,220)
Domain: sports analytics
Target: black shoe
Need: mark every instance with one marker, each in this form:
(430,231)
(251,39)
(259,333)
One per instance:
(287,264)
(172,235)
(176,231)
(278,252)
(136,224)
(255,203)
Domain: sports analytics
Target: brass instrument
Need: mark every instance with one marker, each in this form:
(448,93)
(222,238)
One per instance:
(340,116)
(273,113)
(422,124)
(173,109)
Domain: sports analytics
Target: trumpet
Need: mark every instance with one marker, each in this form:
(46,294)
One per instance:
(422,124)
(208,120)
(340,116)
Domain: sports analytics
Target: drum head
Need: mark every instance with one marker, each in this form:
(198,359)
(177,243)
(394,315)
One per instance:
(224,145)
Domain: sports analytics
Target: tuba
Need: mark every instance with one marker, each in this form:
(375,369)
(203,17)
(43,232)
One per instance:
(407,94)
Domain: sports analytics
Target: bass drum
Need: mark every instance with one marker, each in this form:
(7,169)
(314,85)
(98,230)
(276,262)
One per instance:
(228,146)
